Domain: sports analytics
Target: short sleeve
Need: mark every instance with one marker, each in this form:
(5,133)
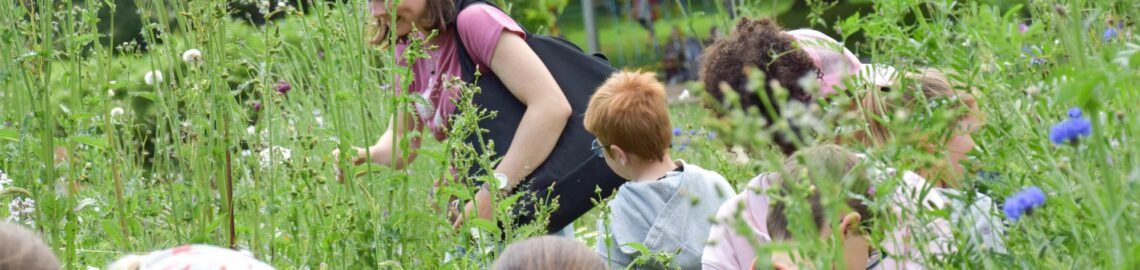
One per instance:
(480,27)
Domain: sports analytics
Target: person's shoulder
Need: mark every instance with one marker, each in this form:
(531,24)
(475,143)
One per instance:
(705,174)
(479,14)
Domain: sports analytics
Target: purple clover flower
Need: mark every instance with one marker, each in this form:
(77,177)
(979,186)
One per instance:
(1023,202)
(256,106)
(283,87)
(1022,27)
(1075,126)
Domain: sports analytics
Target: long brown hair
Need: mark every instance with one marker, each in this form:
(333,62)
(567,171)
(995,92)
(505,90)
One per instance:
(549,252)
(442,14)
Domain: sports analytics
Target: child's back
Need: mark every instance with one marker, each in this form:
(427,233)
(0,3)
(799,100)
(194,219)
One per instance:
(670,215)
(667,204)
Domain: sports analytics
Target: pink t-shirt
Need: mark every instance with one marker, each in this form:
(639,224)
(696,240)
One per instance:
(480,27)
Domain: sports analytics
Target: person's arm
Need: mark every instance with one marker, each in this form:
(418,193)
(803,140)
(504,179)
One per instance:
(546,115)
(386,149)
(547,111)
(382,152)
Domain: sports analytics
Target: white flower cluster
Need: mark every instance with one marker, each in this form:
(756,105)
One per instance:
(274,155)
(4,180)
(20,210)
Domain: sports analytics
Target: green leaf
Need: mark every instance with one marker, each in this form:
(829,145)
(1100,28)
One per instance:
(112,229)
(486,225)
(147,95)
(639,247)
(84,39)
(98,142)
(10,134)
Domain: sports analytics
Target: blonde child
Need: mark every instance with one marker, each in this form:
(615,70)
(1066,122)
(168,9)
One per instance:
(667,203)
(549,252)
(22,249)
(972,213)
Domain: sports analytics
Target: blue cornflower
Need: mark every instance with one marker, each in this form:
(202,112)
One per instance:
(677,131)
(1072,128)
(1109,33)
(693,132)
(711,135)
(1023,201)
(684,143)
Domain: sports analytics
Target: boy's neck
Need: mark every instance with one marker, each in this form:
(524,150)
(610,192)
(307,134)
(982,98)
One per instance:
(657,170)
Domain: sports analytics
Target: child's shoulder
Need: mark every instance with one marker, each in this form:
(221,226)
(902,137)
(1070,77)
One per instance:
(708,176)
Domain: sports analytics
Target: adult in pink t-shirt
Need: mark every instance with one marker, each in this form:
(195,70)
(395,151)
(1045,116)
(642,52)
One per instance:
(496,44)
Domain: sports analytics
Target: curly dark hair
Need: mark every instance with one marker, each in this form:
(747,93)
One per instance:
(762,44)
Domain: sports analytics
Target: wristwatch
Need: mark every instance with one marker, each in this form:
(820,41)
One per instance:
(504,183)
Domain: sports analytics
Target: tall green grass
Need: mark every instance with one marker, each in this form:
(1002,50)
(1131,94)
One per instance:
(157,175)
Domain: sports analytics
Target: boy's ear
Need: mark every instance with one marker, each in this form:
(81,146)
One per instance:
(619,154)
(850,223)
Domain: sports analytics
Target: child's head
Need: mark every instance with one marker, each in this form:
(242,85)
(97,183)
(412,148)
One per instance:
(785,57)
(549,252)
(630,117)
(832,168)
(927,89)
(22,249)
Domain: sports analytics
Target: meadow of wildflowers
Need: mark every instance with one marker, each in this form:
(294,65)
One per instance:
(219,132)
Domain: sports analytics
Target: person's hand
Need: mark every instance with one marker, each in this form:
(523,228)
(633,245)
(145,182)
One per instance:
(356,160)
(485,210)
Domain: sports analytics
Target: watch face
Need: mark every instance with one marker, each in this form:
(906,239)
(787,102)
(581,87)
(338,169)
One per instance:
(502,180)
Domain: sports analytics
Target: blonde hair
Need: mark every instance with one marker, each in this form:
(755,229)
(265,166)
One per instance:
(549,252)
(933,84)
(22,249)
(629,110)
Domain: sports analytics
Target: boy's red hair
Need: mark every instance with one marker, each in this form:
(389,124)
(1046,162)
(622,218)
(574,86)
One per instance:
(629,110)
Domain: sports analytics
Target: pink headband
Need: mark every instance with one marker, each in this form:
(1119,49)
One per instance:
(833,60)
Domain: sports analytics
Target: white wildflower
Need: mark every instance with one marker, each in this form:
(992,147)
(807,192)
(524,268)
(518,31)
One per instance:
(192,56)
(153,77)
(274,155)
(684,95)
(110,92)
(20,210)
(117,111)
(320,120)
(741,156)
(84,203)
(251,130)
(4,180)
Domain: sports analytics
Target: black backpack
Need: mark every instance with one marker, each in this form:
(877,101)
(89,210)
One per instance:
(573,169)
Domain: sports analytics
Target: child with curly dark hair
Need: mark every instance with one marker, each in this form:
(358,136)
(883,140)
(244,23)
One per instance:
(786,58)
